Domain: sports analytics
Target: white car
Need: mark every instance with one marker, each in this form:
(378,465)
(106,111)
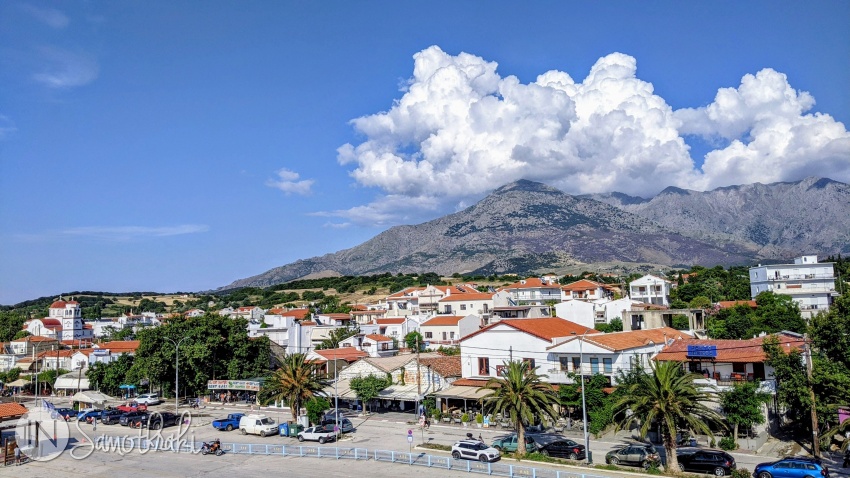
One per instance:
(474,450)
(149,399)
(318,433)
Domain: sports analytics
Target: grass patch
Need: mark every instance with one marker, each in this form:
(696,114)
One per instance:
(436,446)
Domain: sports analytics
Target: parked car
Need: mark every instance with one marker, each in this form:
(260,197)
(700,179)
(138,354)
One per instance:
(700,460)
(509,443)
(65,413)
(132,418)
(132,407)
(88,415)
(157,420)
(111,417)
(317,433)
(562,448)
(638,454)
(345,425)
(257,425)
(475,450)
(791,468)
(229,423)
(149,399)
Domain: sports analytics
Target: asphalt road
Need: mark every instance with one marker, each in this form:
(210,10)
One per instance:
(377,432)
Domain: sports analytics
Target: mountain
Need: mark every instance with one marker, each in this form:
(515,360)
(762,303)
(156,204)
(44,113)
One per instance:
(778,220)
(522,227)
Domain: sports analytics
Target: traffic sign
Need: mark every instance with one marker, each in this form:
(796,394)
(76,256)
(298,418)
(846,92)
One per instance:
(409,438)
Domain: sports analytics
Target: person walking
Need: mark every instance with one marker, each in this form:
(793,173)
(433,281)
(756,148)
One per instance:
(17,455)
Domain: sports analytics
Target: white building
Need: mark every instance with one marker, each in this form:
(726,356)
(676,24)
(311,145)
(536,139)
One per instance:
(651,289)
(448,329)
(534,291)
(810,283)
(608,354)
(64,322)
(485,353)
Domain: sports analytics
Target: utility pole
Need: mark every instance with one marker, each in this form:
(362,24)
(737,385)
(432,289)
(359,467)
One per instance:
(815,438)
(418,379)
(511,353)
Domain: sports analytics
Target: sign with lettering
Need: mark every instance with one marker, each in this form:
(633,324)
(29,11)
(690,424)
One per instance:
(233,385)
(100,352)
(702,351)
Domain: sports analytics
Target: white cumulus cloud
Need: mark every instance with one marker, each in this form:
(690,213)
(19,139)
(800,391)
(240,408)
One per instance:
(288,182)
(460,130)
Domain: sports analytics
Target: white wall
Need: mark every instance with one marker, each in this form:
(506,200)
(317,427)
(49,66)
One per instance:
(577,311)
(496,344)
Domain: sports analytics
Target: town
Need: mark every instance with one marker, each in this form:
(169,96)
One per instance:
(450,354)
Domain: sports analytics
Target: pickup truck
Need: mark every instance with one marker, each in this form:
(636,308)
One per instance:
(132,407)
(317,433)
(229,423)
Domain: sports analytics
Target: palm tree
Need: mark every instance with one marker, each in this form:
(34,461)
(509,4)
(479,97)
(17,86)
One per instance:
(295,382)
(669,396)
(521,394)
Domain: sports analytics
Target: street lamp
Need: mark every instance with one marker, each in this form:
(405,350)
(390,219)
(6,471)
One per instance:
(35,364)
(176,369)
(583,401)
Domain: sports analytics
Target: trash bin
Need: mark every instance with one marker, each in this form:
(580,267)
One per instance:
(295,429)
(283,429)
(589,456)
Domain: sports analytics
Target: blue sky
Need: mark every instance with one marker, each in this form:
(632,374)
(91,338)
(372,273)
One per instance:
(178,146)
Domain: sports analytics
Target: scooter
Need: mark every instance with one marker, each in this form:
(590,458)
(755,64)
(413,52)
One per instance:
(212,447)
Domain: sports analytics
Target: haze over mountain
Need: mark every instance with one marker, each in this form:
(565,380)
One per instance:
(527,227)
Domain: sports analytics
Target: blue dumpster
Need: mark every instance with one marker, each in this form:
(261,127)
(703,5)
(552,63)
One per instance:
(283,429)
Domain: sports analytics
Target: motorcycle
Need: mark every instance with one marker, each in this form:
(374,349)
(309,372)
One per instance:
(212,447)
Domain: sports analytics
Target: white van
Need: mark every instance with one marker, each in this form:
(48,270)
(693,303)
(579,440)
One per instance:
(257,425)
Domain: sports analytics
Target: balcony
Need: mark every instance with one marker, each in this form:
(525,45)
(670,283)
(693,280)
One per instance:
(800,277)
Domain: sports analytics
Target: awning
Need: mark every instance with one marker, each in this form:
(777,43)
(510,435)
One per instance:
(18,383)
(463,392)
(91,396)
(399,392)
(71,381)
(343,387)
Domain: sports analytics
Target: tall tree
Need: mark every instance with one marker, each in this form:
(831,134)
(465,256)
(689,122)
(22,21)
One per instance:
(742,405)
(295,382)
(521,394)
(669,396)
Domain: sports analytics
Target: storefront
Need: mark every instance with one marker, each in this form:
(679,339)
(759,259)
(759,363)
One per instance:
(231,391)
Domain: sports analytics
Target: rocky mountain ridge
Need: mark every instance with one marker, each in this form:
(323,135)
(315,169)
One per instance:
(527,227)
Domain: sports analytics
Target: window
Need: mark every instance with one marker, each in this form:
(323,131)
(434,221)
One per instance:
(444,336)
(606,365)
(462,306)
(500,370)
(739,367)
(483,366)
(530,362)
(594,365)
(429,335)
(565,363)
(576,364)
(452,335)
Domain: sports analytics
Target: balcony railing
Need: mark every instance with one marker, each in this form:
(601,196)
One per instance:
(801,277)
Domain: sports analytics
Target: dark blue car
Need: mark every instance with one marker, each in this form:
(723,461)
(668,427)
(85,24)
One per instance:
(84,416)
(792,468)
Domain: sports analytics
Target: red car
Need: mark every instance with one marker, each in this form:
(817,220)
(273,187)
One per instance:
(132,407)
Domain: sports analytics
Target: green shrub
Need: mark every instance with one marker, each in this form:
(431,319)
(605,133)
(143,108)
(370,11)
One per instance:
(728,443)
(741,473)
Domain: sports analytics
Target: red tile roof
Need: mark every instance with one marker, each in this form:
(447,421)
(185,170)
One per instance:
(119,346)
(337,316)
(379,338)
(11,410)
(532,283)
(729,351)
(60,304)
(35,338)
(618,341)
(728,304)
(448,366)
(296,313)
(349,354)
(583,284)
(397,321)
(443,320)
(470,382)
(546,328)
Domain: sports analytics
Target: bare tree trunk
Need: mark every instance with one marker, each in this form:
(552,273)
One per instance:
(735,436)
(670,449)
(520,437)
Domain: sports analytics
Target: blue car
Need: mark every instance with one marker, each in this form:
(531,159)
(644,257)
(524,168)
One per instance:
(65,413)
(792,468)
(84,416)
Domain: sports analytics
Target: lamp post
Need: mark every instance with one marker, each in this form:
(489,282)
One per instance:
(35,364)
(176,369)
(583,401)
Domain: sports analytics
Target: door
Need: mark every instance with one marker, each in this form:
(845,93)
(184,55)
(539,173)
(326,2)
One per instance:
(467,451)
(701,462)
(758,371)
